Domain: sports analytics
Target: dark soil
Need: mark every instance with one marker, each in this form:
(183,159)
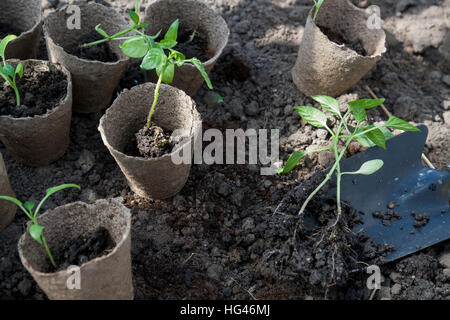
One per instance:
(40,93)
(83,249)
(193,44)
(420,220)
(101,52)
(387,217)
(150,142)
(7,29)
(237,70)
(341,39)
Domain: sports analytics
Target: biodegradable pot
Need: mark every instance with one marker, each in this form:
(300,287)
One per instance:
(107,277)
(94,82)
(7,209)
(194,15)
(324,67)
(26,16)
(156,178)
(39,140)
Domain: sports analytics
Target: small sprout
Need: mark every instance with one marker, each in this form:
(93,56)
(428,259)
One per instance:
(7,71)
(218,98)
(159,56)
(317,5)
(366,135)
(36,230)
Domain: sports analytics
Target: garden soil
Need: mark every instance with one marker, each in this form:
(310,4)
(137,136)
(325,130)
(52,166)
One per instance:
(219,237)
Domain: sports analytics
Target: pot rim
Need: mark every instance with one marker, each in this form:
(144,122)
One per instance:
(63,101)
(118,245)
(195,114)
(377,54)
(88,63)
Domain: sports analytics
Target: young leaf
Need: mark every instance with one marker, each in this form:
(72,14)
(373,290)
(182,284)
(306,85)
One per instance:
(168,73)
(292,162)
(19,70)
(172,33)
(101,31)
(167,44)
(135,47)
(13,200)
(202,70)
(313,116)
(396,123)
(179,57)
(366,142)
(367,103)
(328,103)
(52,190)
(9,70)
(4,43)
(376,136)
(134,16)
(368,167)
(218,98)
(358,112)
(29,205)
(36,232)
(153,59)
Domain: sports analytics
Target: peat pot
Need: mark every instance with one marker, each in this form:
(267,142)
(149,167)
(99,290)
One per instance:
(196,16)
(7,209)
(156,178)
(22,18)
(325,67)
(42,139)
(94,82)
(107,277)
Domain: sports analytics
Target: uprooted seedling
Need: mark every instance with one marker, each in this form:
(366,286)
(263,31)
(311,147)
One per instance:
(366,135)
(36,230)
(156,55)
(7,71)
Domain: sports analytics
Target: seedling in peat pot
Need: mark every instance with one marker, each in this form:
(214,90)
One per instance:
(7,71)
(366,135)
(157,55)
(36,230)
(317,5)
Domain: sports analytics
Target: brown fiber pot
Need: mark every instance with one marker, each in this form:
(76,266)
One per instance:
(104,278)
(195,15)
(40,140)
(156,178)
(94,82)
(324,67)
(26,16)
(7,209)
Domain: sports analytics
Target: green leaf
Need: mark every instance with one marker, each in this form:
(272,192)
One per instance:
(367,103)
(29,205)
(218,98)
(36,232)
(52,190)
(197,63)
(179,57)
(101,31)
(13,200)
(4,43)
(366,142)
(328,103)
(312,115)
(292,162)
(168,73)
(135,47)
(153,59)
(167,44)
(396,123)
(9,70)
(376,136)
(172,33)
(358,112)
(19,70)
(368,167)
(134,16)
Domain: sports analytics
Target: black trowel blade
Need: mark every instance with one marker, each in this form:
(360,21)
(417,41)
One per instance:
(406,182)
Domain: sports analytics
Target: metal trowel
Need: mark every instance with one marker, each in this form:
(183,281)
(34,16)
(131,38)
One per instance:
(405,186)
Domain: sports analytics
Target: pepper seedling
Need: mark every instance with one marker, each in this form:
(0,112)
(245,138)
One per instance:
(366,135)
(36,230)
(7,71)
(317,5)
(156,55)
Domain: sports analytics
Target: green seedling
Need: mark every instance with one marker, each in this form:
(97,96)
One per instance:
(156,55)
(36,230)
(366,135)
(317,5)
(8,72)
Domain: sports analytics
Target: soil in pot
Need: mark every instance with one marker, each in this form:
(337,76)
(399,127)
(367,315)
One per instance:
(101,52)
(150,142)
(6,29)
(83,249)
(340,39)
(193,44)
(40,91)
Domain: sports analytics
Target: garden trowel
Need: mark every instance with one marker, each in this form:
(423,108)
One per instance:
(404,204)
